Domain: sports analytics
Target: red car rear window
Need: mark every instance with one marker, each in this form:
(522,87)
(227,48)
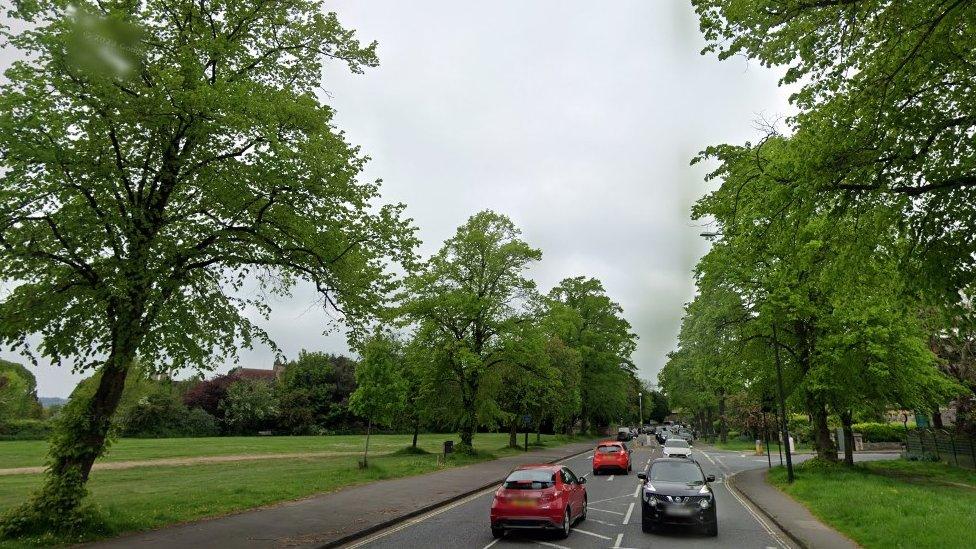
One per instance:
(530,480)
(609,449)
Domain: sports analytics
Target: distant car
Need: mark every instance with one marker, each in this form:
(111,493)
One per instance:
(687,435)
(663,436)
(624,434)
(539,497)
(611,455)
(677,447)
(676,492)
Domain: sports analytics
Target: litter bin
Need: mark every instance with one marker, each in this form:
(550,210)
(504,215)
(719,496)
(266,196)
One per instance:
(448,447)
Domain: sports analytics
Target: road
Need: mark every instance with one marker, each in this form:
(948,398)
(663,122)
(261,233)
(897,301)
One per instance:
(613,518)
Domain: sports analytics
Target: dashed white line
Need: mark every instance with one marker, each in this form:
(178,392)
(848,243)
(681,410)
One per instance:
(594,534)
(630,510)
(591,519)
(620,538)
(492,543)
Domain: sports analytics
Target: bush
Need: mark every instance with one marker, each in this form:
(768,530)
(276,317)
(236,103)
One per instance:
(162,415)
(880,432)
(24,429)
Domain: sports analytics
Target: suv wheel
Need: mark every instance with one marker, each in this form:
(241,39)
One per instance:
(497,532)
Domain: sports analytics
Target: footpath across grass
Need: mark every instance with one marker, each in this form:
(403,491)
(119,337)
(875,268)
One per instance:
(31,453)
(150,497)
(889,503)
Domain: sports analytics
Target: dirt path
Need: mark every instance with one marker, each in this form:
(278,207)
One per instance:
(182,461)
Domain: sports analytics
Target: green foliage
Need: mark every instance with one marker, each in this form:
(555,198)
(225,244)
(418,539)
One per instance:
(148,179)
(381,392)
(465,303)
(25,429)
(162,414)
(880,432)
(314,391)
(250,406)
(18,392)
(593,325)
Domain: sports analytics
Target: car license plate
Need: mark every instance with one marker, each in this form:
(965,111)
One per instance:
(679,511)
(524,503)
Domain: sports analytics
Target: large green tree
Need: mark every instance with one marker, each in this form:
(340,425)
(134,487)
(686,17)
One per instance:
(467,302)
(159,160)
(605,342)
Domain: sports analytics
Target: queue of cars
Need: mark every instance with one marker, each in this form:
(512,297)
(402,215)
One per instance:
(675,491)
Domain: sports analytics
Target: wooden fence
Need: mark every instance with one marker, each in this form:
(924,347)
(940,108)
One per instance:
(946,446)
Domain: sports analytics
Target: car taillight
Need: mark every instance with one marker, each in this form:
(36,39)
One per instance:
(547,498)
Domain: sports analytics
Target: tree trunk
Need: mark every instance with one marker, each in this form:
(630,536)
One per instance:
(821,431)
(416,431)
(369,427)
(723,425)
(513,434)
(847,421)
(937,419)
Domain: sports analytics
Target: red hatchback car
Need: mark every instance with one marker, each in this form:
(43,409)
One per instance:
(611,455)
(548,497)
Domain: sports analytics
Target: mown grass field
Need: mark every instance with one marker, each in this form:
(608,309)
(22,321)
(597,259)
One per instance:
(28,453)
(143,498)
(890,503)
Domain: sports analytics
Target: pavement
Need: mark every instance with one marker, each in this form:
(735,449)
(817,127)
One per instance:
(331,519)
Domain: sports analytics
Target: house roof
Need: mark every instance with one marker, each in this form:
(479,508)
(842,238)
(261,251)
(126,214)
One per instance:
(255,373)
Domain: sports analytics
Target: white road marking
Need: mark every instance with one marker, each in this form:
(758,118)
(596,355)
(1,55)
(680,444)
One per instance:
(591,519)
(492,543)
(591,533)
(620,538)
(708,457)
(603,510)
(547,544)
(422,518)
(762,522)
(637,490)
(610,499)
(629,511)
(609,479)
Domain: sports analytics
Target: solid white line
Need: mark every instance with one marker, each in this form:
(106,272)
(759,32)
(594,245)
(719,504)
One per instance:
(755,515)
(629,511)
(603,510)
(547,544)
(709,458)
(620,538)
(591,533)
(492,543)
(609,479)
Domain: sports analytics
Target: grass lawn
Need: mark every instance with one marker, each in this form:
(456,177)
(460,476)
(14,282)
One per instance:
(890,503)
(750,446)
(28,453)
(149,497)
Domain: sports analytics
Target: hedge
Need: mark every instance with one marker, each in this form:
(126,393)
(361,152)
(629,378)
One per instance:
(24,429)
(880,432)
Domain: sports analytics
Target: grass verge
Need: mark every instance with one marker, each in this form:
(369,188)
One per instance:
(750,446)
(150,497)
(889,503)
(29,453)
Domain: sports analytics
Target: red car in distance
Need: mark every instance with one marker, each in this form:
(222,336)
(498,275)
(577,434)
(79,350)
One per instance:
(611,455)
(547,497)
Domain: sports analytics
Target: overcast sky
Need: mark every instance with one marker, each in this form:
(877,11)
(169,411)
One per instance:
(575,118)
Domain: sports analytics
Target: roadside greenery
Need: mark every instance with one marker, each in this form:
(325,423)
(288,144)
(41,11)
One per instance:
(898,503)
(841,240)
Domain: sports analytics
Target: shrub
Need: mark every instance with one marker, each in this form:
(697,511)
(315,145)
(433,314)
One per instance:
(24,429)
(161,415)
(880,432)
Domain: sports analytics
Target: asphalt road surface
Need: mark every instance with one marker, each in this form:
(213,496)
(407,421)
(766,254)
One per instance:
(614,514)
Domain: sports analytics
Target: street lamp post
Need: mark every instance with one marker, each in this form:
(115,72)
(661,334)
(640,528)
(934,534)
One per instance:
(640,408)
